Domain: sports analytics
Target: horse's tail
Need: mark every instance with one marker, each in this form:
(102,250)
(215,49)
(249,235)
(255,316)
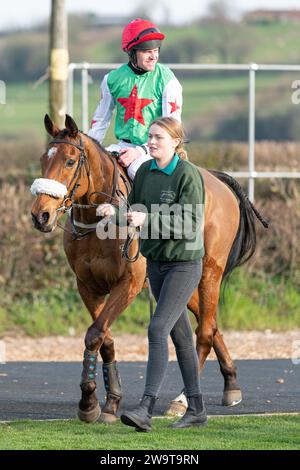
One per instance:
(244,244)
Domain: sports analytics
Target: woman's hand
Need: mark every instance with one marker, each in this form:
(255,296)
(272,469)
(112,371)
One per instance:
(105,210)
(136,219)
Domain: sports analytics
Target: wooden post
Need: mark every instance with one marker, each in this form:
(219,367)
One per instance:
(58,61)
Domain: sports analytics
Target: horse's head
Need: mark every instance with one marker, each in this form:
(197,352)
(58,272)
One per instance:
(61,175)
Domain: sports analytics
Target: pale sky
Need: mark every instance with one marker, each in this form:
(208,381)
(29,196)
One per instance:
(24,13)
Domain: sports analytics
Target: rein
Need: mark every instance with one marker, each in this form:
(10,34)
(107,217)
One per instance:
(83,161)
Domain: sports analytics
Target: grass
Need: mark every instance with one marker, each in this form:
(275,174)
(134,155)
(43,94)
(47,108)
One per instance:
(254,303)
(58,311)
(263,432)
(250,304)
(49,311)
(275,43)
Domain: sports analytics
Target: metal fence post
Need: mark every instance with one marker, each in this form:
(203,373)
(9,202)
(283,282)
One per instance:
(251,132)
(85,97)
(70,103)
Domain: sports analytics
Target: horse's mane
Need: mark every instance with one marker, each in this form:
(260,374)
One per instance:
(63,134)
(98,145)
(66,133)
(100,148)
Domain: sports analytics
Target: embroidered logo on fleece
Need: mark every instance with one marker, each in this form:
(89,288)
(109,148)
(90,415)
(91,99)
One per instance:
(167,196)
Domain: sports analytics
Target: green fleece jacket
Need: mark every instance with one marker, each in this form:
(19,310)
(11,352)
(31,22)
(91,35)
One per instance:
(173,198)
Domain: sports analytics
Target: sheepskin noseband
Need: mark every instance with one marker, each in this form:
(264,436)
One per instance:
(47,186)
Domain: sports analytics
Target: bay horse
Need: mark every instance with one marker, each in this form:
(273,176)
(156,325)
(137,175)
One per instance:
(75,168)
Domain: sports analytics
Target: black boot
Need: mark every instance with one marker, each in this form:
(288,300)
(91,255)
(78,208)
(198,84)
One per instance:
(140,417)
(195,414)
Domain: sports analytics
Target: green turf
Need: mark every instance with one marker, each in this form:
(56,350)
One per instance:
(250,303)
(275,43)
(276,432)
(272,43)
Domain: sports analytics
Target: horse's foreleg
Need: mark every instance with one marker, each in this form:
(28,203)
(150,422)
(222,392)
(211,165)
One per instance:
(98,338)
(121,295)
(232,394)
(89,409)
(112,380)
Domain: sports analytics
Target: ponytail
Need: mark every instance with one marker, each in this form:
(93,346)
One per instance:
(181,152)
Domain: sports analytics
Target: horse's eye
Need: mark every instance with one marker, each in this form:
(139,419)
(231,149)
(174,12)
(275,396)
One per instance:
(70,163)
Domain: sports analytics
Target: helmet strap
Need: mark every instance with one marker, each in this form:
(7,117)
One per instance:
(133,63)
(137,70)
(132,56)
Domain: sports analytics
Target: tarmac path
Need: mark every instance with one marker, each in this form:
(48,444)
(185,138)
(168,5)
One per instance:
(50,390)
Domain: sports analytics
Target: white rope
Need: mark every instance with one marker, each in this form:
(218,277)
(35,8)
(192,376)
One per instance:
(48,186)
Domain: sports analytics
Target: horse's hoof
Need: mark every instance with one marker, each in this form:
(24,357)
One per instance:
(108,418)
(232,398)
(90,416)
(177,408)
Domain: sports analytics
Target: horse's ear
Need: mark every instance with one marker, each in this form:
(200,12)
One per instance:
(50,127)
(71,125)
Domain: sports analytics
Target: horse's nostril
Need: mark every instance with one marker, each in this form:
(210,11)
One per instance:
(34,219)
(45,217)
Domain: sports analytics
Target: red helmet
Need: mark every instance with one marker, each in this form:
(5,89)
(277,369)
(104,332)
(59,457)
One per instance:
(140,32)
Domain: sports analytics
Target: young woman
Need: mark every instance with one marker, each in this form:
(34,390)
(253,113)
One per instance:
(174,264)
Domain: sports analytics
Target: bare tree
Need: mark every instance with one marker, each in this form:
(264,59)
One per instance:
(145,10)
(219,11)
(229,38)
(154,10)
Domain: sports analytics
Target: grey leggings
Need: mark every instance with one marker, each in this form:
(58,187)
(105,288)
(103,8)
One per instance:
(172,284)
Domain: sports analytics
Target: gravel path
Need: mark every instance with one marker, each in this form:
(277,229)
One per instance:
(242,345)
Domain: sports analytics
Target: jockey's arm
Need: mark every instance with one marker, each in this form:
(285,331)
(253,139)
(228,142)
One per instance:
(171,106)
(130,154)
(172,99)
(103,114)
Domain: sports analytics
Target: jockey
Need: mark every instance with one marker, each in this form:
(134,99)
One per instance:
(141,90)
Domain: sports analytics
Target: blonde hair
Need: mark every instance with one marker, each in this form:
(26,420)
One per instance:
(175,129)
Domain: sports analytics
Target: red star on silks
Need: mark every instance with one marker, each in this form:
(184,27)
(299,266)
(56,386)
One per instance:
(134,106)
(174,106)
